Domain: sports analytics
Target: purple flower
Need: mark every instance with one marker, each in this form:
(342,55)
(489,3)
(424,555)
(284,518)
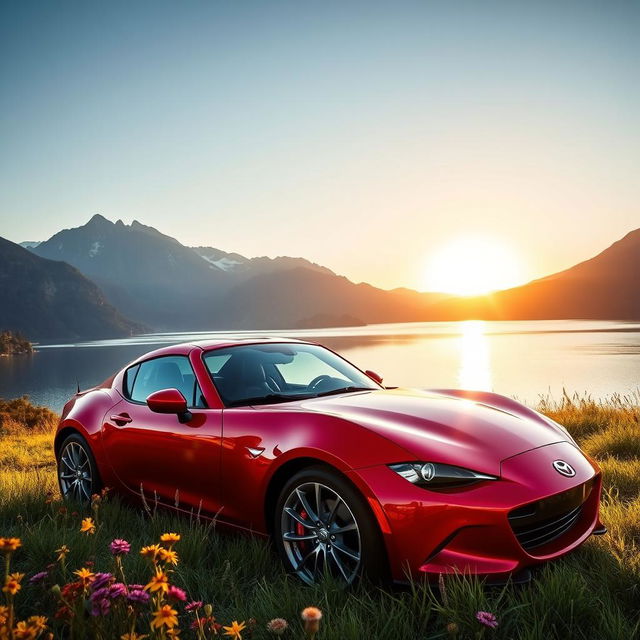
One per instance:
(117,590)
(138,596)
(487,619)
(99,594)
(175,593)
(119,547)
(100,606)
(196,604)
(136,587)
(38,577)
(101,580)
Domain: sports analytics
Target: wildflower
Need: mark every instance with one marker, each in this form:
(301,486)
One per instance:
(192,606)
(311,617)
(487,619)
(159,582)
(38,623)
(9,545)
(100,607)
(4,614)
(175,593)
(12,583)
(452,629)
(165,616)
(277,626)
(167,555)
(85,575)
(101,580)
(151,551)
(138,596)
(170,538)
(62,552)
(234,630)
(173,633)
(133,636)
(38,577)
(119,547)
(71,590)
(88,526)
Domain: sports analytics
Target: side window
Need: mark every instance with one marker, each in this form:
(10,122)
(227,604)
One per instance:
(129,378)
(167,372)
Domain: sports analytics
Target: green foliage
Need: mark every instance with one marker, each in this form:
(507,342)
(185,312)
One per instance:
(591,594)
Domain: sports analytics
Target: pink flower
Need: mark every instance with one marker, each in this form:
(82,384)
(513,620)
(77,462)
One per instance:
(138,596)
(119,547)
(175,593)
(487,619)
(277,626)
(192,606)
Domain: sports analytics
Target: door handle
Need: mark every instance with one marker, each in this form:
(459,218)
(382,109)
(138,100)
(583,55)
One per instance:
(121,418)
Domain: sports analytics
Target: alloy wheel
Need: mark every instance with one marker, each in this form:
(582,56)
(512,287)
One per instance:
(74,472)
(320,534)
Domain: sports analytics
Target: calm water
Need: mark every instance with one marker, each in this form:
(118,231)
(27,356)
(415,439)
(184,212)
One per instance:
(522,359)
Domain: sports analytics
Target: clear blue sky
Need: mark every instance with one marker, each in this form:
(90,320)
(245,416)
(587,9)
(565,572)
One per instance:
(362,135)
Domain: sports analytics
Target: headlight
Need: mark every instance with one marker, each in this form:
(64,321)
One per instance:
(433,475)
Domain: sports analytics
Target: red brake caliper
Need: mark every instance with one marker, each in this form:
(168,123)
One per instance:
(300,530)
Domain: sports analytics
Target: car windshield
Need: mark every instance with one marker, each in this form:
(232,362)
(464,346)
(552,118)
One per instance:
(281,372)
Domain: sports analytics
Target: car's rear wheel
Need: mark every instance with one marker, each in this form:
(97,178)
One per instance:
(323,526)
(77,472)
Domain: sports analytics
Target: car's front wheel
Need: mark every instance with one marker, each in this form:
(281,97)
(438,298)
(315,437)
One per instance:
(323,526)
(77,471)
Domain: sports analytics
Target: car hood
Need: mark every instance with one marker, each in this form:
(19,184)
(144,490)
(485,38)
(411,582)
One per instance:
(443,427)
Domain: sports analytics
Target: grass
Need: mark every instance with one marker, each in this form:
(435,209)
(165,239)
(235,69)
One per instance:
(591,594)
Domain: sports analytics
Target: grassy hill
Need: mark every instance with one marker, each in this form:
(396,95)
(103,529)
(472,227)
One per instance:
(594,593)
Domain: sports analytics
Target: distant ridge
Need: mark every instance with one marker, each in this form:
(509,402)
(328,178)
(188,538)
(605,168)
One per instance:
(48,300)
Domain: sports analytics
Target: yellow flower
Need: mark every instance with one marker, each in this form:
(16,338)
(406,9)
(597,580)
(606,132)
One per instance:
(159,582)
(133,636)
(85,575)
(88,526)
(173,633)
(170,538)
(4,614)
(167,555)
(151,551)
(12,583)
(7,545)
(23,631)
(62,552)
(165,616)
(234,630)
(39,623)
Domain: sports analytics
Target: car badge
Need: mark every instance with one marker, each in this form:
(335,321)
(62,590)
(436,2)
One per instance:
(564,468)
(255,453)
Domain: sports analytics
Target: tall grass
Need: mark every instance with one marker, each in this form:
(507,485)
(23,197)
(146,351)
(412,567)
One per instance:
(591,594)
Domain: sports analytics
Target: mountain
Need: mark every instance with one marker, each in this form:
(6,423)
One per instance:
(155,280)
(29,244)
(249,267)
(149,276)
(48,300)
(605,287)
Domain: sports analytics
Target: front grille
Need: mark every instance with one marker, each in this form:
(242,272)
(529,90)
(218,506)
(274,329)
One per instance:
(539,523)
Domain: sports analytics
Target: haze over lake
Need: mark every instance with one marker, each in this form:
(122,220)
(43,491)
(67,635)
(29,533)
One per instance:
(522,359)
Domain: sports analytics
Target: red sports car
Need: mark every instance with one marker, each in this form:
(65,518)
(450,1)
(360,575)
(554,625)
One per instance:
(288,439)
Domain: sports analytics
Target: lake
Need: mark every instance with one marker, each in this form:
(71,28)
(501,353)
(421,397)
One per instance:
(522,359)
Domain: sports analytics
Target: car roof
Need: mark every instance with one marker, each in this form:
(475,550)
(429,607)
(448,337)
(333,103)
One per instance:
(184,348)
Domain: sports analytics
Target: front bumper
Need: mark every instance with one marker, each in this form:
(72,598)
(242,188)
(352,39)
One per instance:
(469,531)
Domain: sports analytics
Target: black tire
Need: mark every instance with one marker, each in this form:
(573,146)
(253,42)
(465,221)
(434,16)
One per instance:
(331,546)
(78,476)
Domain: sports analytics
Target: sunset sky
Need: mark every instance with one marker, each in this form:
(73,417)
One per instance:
(370,137)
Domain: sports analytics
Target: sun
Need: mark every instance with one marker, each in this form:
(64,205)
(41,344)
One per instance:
(473,265)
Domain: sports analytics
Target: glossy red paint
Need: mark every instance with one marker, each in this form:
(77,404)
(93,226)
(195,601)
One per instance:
(167,401)
(225,461)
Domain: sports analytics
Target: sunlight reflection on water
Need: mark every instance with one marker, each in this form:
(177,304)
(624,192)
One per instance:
(475,356)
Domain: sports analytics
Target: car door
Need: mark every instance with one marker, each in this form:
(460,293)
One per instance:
(177,464)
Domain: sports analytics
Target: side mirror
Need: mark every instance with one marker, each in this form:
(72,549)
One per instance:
(374,376)
(169,401)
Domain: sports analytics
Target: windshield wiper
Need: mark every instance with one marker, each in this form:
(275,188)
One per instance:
(343,390)
(270,398)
